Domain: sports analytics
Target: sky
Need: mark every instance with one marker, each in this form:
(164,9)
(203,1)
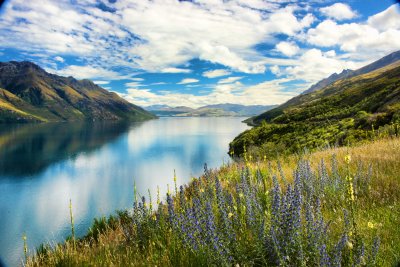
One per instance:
(195,53)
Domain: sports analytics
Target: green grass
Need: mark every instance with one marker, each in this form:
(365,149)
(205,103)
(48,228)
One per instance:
(238,200)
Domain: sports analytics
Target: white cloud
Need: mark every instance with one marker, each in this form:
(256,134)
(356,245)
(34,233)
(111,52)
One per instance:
(137,79)
(188,80)
(175,70)
(287,48)
(88,72)
(216,73)
(264,93)
(386,20)
(377,37)
(276,70)
(314,65)
(133,84)
(338,11)
(101,82)
(229,80)
(59,59)
(155,36)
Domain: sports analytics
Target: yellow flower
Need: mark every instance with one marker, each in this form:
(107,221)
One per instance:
(349,245)
(230,214)
(351,192)
(371,225)
(265,158)
(241,195)
(347,159)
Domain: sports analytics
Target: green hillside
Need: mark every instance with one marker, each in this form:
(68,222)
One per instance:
(347,111)
(30,94)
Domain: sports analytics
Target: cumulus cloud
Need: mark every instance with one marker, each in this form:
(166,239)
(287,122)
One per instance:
(314,65)
(188,80)
(288,48)
(155,36)
(375,38)
(338,11)
(216,73)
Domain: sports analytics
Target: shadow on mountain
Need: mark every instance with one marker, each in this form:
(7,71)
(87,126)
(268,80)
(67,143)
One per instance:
(28,149)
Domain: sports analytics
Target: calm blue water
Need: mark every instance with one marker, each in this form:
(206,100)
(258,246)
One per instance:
(43,166)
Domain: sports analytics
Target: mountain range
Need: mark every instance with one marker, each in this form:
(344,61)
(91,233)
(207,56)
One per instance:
(344,111)
(217,110)
(30,94)
(387,60)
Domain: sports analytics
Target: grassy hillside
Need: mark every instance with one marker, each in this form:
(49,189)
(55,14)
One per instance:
(28,93)
(329,208)
(345,112)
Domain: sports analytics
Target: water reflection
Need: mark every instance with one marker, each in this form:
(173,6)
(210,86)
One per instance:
(30,149)
(98,172)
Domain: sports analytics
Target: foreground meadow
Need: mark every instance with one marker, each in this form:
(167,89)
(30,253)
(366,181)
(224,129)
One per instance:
(337,207)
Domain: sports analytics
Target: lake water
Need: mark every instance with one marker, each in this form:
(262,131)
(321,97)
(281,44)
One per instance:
(95,165)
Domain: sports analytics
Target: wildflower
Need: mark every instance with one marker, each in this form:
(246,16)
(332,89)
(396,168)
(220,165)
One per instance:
(241,195)
(158,195)
(265,158)
(347,159)
(25,247)
(349,245)
(371,225)
(230,214)
(351,192)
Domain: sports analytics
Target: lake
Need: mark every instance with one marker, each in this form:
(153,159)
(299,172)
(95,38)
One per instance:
(43,166)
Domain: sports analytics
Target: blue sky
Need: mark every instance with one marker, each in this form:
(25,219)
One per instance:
(202,52)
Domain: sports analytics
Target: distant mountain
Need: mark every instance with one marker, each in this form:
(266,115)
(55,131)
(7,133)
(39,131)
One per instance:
(30,94)
(167,111)
(387,60)
(218,110)
(344,112)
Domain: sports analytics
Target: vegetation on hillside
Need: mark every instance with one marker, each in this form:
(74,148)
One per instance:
(30,94)
(336,207)
(345,112)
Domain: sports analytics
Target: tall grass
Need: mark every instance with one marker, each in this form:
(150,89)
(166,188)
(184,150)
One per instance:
(317,210)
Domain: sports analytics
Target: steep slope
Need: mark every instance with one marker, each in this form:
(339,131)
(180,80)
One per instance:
(344,112)
(29,93)
(387,60)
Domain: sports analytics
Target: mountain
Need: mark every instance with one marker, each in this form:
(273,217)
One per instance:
(327,81)
(344,112)
(218,110)
(165,110)
(30,94)
(387,60)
